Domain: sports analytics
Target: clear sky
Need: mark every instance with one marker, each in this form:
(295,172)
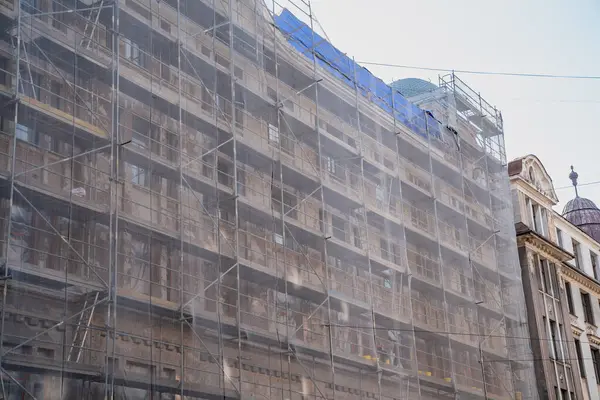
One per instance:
(556,119)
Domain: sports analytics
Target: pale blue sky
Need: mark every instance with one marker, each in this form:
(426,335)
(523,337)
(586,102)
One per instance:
(556,119)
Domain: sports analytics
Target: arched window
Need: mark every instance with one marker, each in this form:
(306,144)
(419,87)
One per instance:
(531,175)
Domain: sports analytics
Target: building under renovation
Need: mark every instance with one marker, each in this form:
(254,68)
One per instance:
(207,200)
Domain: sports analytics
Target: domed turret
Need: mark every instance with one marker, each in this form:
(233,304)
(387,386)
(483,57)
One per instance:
(582,212)
(410,87)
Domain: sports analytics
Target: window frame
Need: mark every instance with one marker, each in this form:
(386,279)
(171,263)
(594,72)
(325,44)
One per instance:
(545,277)
(576,252)
(579,358)
(588,311)
(274,135)
(139,176)
(569,294)
(554,327)
(559,238)
(594,261)
(596,362)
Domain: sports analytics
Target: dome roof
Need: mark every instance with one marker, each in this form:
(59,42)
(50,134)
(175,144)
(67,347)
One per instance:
(410,87)
(584,214)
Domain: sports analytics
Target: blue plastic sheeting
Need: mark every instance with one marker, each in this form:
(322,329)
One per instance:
(301,37)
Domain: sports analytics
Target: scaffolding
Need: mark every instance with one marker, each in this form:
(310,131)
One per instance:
(205,199)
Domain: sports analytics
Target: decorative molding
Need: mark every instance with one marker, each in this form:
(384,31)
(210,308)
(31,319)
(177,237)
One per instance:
(592,336)
(590,329)
(205,356)
(579,277)
(33,321)
(539,181)
(543,246)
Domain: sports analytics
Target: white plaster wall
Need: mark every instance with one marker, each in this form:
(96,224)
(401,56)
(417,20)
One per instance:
(589,367)
(570,232)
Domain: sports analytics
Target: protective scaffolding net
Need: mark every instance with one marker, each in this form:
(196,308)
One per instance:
(207,200)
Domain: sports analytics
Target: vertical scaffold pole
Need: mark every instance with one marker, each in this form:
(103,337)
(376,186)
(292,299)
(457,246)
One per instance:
(405,260)
(12,154)
(113,208)
(323,206)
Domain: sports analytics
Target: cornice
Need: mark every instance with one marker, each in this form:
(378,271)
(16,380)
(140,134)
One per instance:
(591,332)
(579,277)
(524,186)
(542,245)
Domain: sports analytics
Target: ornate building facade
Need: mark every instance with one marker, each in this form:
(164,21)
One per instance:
(541,257)
(577,231)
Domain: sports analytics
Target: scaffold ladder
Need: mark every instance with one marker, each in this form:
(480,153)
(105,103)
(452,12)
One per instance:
(91,27)
(82,329)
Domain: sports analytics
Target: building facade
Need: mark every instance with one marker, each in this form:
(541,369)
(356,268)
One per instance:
(205,199)
(577,233)
(541,257)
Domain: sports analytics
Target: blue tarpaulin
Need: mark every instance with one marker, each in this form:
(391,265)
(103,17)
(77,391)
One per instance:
(301,37)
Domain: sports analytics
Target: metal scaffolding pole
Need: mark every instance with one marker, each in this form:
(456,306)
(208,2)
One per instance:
(13,152)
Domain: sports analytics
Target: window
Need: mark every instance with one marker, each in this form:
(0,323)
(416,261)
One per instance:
(546,277)
(25,133)
(535,216)
(272,94)
(559,239)
(132,52)
(569,298)
(594,259)
(139,175)
(562,394)
(56,100)
(384,246)
(547,340)
(165,26)
(29,6)
(58,16)
(531,175)
(277,238)
(596,362)
(579,357)
(539,219)
(206,51)
(241,179)
(238,72)
(273,134)
(239,113)
(380,195)
(576,253)
(172,189)
(588,313)
(555,344)
(225,174)
(330,163)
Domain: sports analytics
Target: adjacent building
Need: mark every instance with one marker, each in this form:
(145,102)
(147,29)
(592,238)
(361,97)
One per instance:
(206,199)
(578,232)
(541,256)
(559,258)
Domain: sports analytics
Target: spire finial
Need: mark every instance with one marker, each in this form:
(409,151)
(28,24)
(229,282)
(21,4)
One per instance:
(573,177)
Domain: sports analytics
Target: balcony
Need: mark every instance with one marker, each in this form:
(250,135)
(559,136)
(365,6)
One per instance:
(419,219)
(423,265)
(454,237)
